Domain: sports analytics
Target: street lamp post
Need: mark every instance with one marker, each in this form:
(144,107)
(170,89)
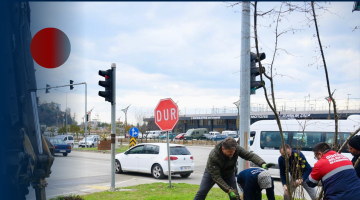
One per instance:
(329,101)
(66,115)
(125,111)
(237,104)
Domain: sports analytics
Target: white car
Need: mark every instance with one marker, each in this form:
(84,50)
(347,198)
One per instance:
(91,142)
(151,158)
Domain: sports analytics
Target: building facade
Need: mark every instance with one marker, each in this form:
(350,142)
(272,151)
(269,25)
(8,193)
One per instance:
(228,121)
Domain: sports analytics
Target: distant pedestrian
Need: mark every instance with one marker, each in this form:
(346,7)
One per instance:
(336,173)
(221,165)
(299,170)
(253,180)
(354,149)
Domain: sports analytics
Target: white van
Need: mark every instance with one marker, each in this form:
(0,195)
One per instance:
(305,133)
(214,133)
(154,134)
(68,139)
(228,132)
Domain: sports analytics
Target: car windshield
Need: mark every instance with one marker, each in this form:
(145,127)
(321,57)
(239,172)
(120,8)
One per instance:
(189,132)
(56,141)
(179,150)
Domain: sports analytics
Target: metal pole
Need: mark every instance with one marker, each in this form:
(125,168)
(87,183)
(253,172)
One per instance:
(244,123)
(85,115)
(168,155)
(66,115)
(113,128)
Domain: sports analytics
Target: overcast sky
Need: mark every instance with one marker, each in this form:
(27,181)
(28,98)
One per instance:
(190,52)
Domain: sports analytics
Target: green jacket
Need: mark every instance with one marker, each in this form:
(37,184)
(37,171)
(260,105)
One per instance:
(221,166)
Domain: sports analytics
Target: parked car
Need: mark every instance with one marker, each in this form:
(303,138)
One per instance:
(154,134)
(171,136)
(60,146)
(91,142)
(68,139)
(194,133)
(206,137)
(234,135)
(180,136)
(213,133)
(140,135)
(152,158)
(96,136)
(228,132)
(218,137)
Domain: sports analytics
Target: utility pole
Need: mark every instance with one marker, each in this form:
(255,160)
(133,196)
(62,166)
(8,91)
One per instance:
(244,123)
(113,128)
(348,102)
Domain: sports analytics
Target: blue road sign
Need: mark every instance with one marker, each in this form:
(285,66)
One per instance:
(134,132)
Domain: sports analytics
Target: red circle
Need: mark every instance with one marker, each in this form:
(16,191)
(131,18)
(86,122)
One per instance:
(50,47)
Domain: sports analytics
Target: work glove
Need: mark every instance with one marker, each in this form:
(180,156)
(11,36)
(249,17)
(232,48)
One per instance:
(234,195)
(267,166)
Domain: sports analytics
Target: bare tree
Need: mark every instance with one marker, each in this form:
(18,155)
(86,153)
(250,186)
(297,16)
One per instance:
(309,8)
(271,102)
(140,116)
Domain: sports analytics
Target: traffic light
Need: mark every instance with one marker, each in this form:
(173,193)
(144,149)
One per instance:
(107,84)
(71,86)
(47,88)
(255,71)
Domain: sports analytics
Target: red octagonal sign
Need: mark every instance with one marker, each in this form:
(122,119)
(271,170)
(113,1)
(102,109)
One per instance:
(166,114)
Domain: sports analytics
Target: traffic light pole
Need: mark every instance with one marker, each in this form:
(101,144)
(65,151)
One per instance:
(113,128)
(244,123)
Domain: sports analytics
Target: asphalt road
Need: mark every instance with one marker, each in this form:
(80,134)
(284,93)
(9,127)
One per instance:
(87,172)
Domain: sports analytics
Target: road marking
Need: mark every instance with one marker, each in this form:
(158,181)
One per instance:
(99,187)
(120,182)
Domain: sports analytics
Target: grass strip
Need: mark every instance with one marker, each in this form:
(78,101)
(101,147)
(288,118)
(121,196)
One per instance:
(159,191)
(95,149)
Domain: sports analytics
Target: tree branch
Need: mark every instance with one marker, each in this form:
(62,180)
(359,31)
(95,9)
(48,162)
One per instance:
(347,140)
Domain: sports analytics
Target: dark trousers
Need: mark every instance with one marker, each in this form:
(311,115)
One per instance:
(207,183)
(255,194)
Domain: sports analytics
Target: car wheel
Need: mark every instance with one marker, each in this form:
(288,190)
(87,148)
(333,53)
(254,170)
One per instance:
(118,169)
(72,145)
(185,175)
(92,146)
(65,154)
(157,172)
